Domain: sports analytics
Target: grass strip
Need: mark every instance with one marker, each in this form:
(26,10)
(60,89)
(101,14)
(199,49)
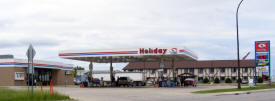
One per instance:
(233,90)
(23,95)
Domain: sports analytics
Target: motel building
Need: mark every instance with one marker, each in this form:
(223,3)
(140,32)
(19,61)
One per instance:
(200,69)
(13,72)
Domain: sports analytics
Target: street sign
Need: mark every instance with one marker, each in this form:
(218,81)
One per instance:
(30,54)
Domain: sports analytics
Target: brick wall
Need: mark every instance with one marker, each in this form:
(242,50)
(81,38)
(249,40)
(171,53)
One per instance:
(6,76)
(59,78)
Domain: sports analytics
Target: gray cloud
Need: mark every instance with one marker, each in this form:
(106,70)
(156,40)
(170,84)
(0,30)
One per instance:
(206,27)
(42,42)
(8,44)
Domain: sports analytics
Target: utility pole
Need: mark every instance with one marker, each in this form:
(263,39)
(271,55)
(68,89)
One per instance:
(238,49)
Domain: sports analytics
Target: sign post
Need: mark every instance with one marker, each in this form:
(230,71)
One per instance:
(30,54)
(262,58)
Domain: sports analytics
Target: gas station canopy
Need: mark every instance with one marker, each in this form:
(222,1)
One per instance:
(129,55)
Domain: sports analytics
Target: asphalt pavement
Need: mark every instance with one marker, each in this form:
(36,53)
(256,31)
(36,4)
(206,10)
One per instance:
(161,94)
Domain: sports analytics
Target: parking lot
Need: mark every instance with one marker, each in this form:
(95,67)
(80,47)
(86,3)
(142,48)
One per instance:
(135,94)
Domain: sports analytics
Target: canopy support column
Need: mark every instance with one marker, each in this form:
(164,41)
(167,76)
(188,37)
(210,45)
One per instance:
(111,72)
(90,76)
(174,69)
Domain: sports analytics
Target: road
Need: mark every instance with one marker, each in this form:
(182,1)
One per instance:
(160,94)
(254,96)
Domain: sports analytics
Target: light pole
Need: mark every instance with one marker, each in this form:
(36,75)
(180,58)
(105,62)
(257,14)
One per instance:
(239,78)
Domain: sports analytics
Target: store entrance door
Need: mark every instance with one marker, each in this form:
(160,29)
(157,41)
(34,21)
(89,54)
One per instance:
(43,76)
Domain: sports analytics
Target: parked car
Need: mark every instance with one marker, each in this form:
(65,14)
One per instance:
(125,81)
(96,82)
(244,81)
(77,80)
(190,81)
(85,80)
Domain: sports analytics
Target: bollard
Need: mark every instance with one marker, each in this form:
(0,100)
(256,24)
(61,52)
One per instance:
(41,87)
(157,85)
(51,87)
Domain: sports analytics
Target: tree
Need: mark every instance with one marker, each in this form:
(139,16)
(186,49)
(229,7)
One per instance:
(75,69)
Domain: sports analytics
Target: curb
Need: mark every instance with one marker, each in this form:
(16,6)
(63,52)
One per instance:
(244,92)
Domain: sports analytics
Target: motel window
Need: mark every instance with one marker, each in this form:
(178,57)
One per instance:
(185,70)
(131,70)
(245,70)
(200,70)
(200,79)
(191,70)
(211,70)
(164,71)
(141,70)
(222,70)
(222,78)
(211,78)
(233,70)
(233,78)
(153,71)
(245,78)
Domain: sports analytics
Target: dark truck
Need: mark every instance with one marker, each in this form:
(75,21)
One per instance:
(125,81)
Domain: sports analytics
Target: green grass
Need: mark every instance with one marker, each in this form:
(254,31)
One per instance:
(233,90)
(22,95)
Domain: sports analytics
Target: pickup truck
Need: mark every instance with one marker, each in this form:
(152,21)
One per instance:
(125,81)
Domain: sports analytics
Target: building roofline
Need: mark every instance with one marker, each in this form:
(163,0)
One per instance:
(191,64)
(37,64)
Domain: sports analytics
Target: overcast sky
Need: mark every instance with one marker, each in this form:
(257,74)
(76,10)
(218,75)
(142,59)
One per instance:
(205,26)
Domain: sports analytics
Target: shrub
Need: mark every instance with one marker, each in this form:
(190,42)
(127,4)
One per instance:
(217,80)
(260,80)
(205,80)
(228,80)
(241,80)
